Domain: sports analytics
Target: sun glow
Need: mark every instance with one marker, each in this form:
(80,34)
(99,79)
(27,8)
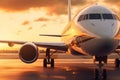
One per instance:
(27,25)
(37,19)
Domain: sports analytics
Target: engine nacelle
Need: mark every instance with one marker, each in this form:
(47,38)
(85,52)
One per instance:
(28,53)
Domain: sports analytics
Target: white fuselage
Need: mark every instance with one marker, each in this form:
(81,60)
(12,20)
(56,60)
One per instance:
(92,31)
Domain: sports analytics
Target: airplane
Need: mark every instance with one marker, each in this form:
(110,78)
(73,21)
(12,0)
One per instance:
(92,31)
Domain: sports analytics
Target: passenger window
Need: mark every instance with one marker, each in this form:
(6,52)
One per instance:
(94,16)
(108,16)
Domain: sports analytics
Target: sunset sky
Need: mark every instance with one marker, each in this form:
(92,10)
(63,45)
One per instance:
(26,19)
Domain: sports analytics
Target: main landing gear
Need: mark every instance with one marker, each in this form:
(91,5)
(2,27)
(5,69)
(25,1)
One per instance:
(48,59)
(117,60)
(100,73)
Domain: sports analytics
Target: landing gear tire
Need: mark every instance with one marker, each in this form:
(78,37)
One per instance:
(45,63)
(117,63)
(104,74)
(96,74)
(52,63)
(100,75)
(48,60)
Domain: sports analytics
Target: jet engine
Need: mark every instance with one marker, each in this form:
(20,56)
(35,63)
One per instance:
(28,53)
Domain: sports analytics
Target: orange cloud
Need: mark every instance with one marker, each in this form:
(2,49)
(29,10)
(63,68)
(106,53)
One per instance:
(25,23)
(18,32)
(54,6)
(114,5)
(42,19)
(30,28)
(112,1)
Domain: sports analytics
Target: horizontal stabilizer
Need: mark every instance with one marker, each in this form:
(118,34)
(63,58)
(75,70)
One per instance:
(53,35)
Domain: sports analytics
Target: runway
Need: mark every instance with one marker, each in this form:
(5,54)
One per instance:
(65,69)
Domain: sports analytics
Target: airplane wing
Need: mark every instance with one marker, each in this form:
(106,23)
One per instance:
(52,35)
(51,45)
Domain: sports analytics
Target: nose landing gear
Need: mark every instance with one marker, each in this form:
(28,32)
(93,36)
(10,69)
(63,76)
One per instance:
(117,63)
(117,60)
(100,73)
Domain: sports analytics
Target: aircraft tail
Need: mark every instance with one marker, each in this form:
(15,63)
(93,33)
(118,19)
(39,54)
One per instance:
(69,10)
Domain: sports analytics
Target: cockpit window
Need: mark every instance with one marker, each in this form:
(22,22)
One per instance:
(83,17)
(98,16)
(108,16)
(86,16)
(94,16)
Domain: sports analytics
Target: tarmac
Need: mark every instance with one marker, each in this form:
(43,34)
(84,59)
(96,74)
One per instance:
(65,69)
(77,69)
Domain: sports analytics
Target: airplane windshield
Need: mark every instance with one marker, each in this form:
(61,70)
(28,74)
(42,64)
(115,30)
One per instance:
(98,16)
(108,16)
(94,16)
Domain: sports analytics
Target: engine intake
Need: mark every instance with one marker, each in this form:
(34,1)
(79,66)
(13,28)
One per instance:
(28,53)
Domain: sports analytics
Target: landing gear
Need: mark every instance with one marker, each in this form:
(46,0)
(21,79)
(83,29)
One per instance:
(117,60)
(100,73)
(117,63)
(48,59)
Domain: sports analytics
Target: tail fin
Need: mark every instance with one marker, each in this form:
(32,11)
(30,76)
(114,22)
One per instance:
(69,10)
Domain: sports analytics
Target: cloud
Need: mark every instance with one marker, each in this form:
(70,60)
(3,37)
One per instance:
(25,23)
(42,19)
(114,4)
(112,1)
(44,25)
(30,28)
(54,6)
(18,32)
